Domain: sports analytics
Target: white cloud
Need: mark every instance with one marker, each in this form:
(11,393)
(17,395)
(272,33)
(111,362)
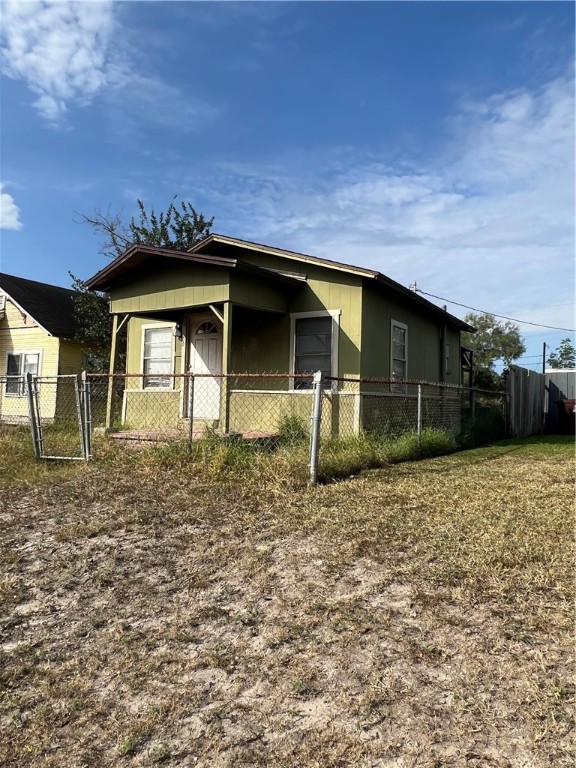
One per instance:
(142,100)
(488,221)
(9,212)
(69,53)
(59,49)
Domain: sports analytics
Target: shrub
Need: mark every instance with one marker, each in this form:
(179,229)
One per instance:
(487,426)
(292,430)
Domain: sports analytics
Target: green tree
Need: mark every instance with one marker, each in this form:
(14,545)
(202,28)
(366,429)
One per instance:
(494,340)
(177,228)
(94,321)
(564,356)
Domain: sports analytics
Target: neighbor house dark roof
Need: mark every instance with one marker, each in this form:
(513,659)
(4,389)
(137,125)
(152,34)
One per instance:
(49,305)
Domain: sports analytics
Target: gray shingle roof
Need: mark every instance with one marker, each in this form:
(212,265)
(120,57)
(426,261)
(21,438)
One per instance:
(51,306)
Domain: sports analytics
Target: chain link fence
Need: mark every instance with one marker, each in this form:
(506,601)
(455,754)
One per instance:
(56,409)
(13,402)
(266,411)
(260,408)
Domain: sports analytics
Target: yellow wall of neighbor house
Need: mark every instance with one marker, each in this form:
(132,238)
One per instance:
(71,357)
(19,333)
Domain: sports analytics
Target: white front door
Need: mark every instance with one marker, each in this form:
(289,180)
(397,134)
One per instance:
(206,358)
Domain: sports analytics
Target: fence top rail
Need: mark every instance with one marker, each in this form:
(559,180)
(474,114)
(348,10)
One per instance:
(413,382)
(301,377)
(305,376)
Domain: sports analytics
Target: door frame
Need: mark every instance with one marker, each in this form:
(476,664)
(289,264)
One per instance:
(191,323)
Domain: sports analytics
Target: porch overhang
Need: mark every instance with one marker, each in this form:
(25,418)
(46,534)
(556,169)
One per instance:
(147,281)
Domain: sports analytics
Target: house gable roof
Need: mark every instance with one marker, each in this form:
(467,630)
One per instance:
(294,255)
(140,255)
(50,306)
(370,274)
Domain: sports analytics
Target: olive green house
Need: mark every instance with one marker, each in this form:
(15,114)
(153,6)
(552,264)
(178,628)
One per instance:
(232,306)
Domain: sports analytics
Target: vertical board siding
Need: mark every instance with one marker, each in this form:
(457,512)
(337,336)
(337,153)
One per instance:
(324,289)
(175,287)
(525,390)
(560,385)
(254,291)
(333,291)
(260,342)
(424,338)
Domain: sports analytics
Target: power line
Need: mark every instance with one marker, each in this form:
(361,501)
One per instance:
(531,357)
(504,317)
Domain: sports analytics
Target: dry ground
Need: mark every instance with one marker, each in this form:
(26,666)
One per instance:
(414,616)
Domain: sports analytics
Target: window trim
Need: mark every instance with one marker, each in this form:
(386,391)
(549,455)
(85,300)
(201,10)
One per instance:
(158,326)
(21,352)
(395,387)
(335,315)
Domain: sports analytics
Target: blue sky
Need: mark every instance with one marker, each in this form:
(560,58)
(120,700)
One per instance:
(433,141)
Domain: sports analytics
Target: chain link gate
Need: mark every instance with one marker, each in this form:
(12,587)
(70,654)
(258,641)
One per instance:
(60,416)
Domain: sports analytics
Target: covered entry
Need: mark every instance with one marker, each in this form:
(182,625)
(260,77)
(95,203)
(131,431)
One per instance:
(205,358)
(192,313)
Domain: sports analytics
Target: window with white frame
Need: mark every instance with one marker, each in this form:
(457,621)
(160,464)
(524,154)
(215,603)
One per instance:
(18,365)
(157,357)
(399,351)
(314,344)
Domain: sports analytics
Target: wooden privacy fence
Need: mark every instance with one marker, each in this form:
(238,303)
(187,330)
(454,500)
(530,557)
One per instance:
(560,386)
(525,390)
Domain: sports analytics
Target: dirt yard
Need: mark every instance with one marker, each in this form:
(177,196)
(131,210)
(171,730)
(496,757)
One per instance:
(419,615)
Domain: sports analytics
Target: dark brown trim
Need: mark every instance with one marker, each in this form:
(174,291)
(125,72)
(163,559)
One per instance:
(362,271)
(216,238)
(101,280)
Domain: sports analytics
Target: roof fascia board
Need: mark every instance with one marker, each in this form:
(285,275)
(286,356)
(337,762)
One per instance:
(24,312)
(286,254)
(372,274)
(190,257)
(109,270)
(423,302)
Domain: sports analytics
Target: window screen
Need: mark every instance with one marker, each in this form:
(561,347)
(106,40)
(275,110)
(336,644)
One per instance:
(17,367)
(313,347)
(157,357)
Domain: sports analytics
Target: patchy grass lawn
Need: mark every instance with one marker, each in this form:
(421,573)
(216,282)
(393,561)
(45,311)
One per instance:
(419,615)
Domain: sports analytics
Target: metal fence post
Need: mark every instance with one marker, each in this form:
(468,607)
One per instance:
(79,392)
(190,410)
(33,414)
(315,422)
(87,415)
(419,425)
